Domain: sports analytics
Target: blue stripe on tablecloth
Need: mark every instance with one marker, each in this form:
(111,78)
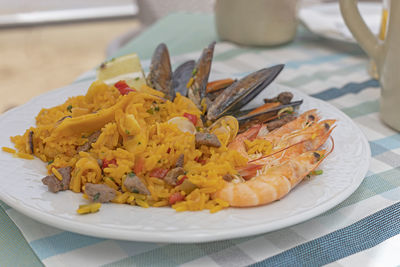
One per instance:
(315,61)
(354,238)
(350,88)
(385,144)
(61,243)
(322,75)
(362,109)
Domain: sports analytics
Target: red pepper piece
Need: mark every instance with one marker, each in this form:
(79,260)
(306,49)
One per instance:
(191,117)
(139,165)
(159,173)
(108,162)
(176,197)
(201,161)
(181,180)
(123,87)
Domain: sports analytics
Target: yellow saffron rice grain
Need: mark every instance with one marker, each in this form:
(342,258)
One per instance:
(190,82)
(142,203)
(24,155)
(89,208)
(161,203)
(56,174)
(9,150)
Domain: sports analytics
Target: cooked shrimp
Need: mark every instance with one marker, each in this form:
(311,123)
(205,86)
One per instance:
(309,135)
(273,184)
(304,120)
(309,139)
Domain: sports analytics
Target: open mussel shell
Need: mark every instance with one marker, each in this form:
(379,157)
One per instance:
(241,92)
(197,88)
(266,115)
(181,77)
(160,75)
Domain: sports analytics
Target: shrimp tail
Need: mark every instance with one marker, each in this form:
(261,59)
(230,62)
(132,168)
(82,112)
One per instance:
(272,185)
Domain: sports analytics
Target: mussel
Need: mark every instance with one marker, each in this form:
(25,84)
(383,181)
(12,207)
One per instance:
(181,77)
(160,75)
(241,92)
(190,79)
(198,83)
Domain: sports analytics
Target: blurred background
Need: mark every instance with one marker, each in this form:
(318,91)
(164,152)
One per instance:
(46,44)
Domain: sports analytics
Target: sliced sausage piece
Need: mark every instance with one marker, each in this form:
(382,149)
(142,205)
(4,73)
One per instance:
(279,122)
(99,192)
(91,139)
(54,185)
(207,139)
(173,175)
(180,161)
(134,184)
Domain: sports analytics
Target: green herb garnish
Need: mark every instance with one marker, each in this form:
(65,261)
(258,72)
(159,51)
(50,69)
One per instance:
(151,111)
(69,108)
(194,71)
(317,172)
(157,108)
(127,132)
(50,162)
(131,174)
(137,79)
(96,196)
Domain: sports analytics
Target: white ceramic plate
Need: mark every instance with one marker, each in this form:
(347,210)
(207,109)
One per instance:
(21,187)
(326,20)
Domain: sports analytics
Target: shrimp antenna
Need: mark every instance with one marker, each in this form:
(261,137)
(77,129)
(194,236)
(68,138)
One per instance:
(263,157)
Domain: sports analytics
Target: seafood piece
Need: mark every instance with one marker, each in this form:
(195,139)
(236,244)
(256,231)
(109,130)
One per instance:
(290,145)
(241,92)
(198,83)
(284,98)
(273,184)
(183,124)
(225,128)
(275,124)
(215,88)
(304,120)
(260,115)
(218,85)
(181,77)
(160,75)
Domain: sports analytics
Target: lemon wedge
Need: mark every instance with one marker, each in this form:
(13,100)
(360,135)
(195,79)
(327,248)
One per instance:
(126,68)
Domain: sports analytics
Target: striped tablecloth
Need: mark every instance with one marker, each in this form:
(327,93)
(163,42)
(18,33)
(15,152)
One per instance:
(361,231)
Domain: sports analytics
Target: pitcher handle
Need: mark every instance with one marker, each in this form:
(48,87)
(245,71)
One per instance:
(366,39)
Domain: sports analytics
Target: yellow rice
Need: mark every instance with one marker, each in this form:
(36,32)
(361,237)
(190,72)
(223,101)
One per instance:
(135,133)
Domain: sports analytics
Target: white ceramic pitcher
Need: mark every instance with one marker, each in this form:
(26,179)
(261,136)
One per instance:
(385,53)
